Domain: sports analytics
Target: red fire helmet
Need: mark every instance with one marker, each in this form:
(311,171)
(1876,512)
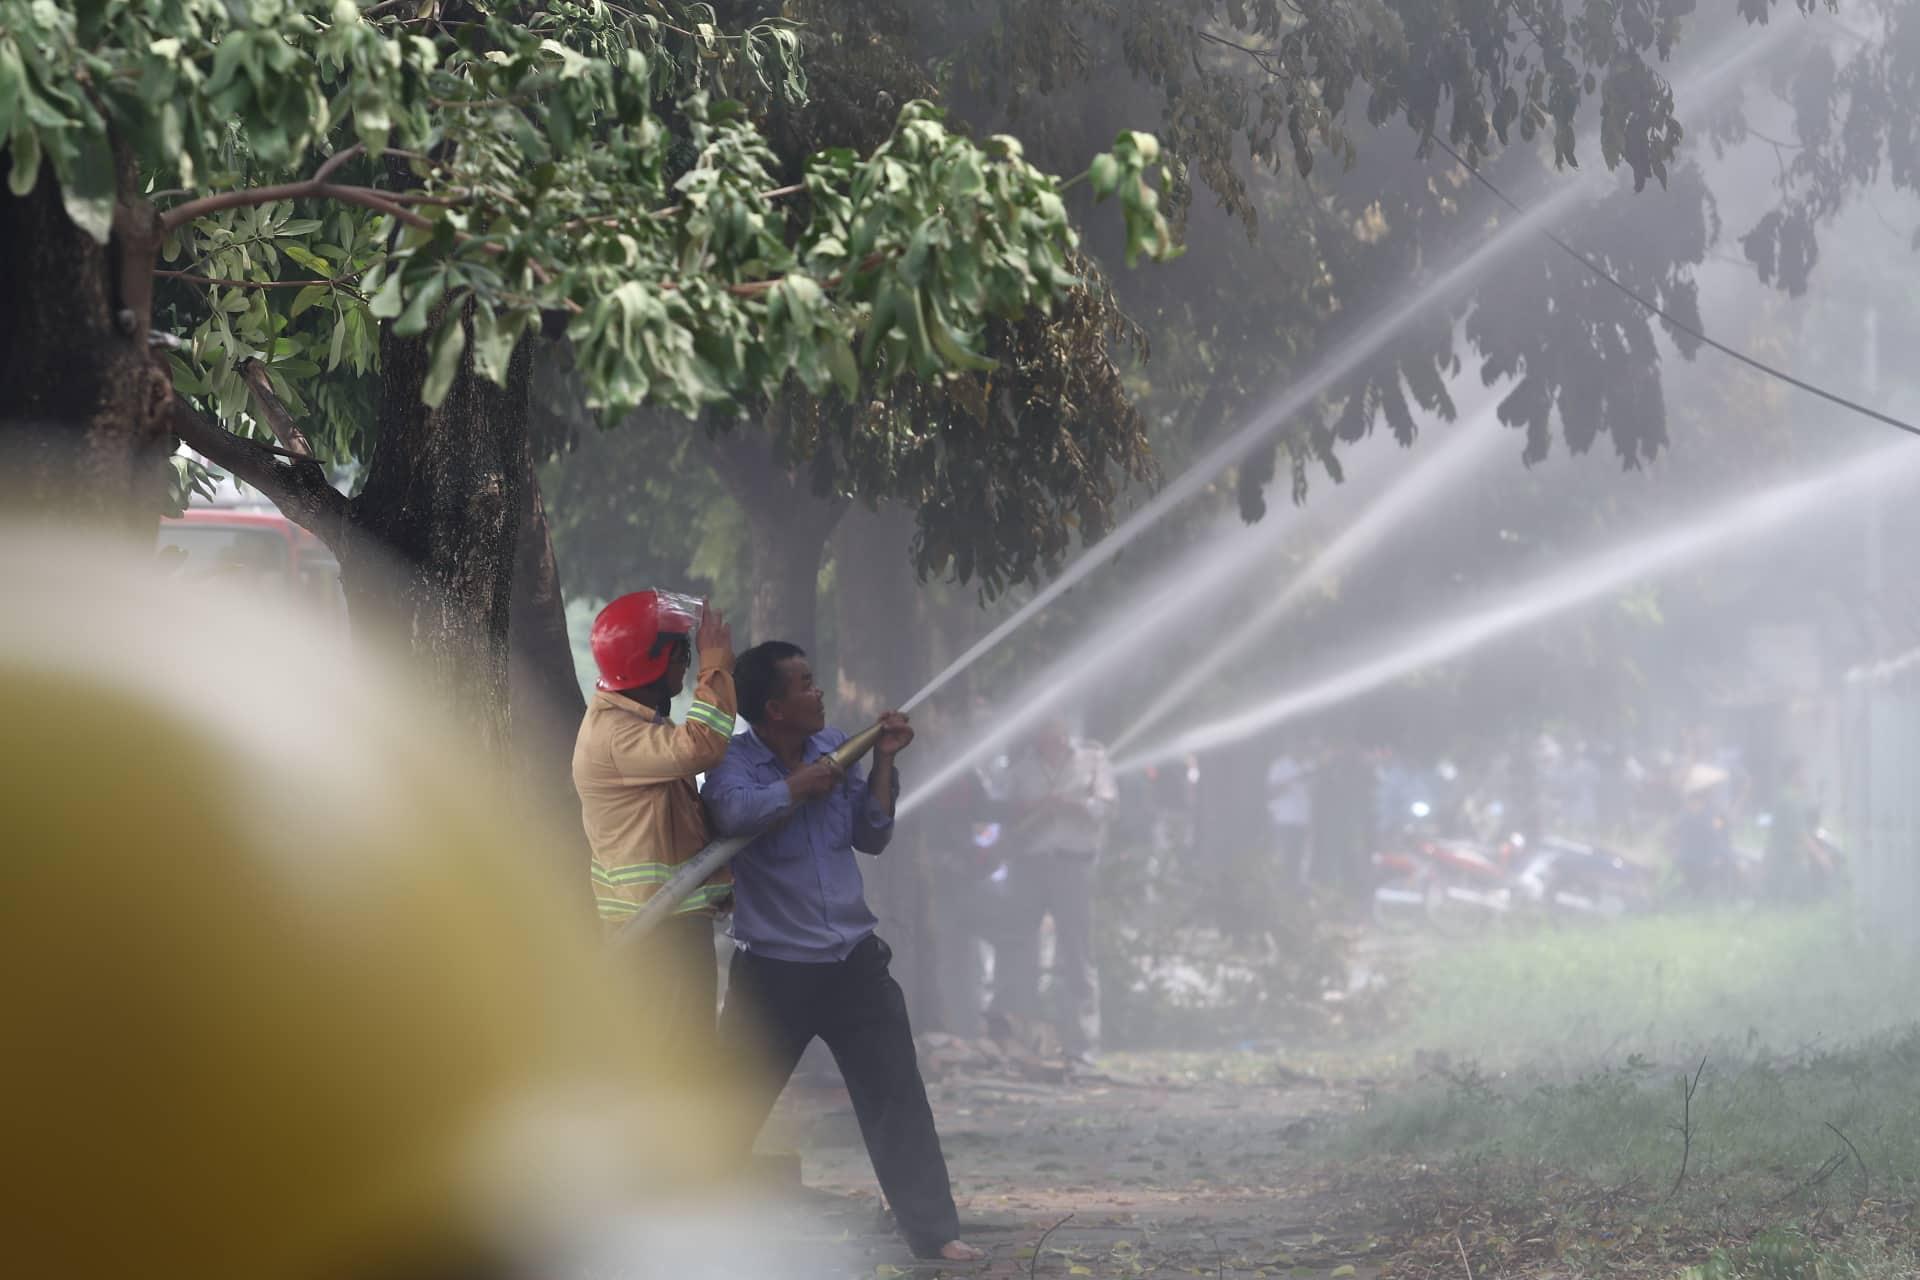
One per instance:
(635,636)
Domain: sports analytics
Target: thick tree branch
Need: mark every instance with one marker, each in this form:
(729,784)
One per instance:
(366,197)
(298,487)
(273,412)
(338,158)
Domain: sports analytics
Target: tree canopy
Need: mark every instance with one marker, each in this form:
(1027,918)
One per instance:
(1253,96)
(319,168)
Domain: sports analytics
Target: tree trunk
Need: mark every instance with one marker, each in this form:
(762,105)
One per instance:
(447,561)
(544,696)
(883,650)
(429,553)
(1235,836)
(544,688)
(787,530)
(83,406)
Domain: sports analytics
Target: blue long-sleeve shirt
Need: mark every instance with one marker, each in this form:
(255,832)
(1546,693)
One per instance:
(797,891)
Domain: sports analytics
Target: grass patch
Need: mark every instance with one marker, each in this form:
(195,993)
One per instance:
(1667,989)
(1568,1051)
(1765,1134)
(1549,1121)
(1794,1253)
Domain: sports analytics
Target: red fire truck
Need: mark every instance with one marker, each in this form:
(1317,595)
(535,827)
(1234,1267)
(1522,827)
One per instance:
(243,539)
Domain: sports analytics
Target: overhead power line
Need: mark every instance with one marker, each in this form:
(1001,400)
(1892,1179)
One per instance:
(1648,304)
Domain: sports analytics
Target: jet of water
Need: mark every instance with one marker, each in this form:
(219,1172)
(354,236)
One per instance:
(1143,628)
(1344,359)
(1153,617)
(1729,523)
(1467,447)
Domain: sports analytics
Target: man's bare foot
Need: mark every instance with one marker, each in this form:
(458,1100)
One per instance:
(960,1251)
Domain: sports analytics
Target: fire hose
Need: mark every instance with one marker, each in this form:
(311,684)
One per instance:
(694,872)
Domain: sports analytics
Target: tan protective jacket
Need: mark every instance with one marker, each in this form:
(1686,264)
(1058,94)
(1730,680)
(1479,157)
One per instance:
(635,772)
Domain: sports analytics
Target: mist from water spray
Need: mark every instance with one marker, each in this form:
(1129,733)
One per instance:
(1469,445)
(1576,584)
(1340,362)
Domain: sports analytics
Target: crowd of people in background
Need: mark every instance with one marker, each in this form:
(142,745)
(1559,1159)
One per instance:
(1018,842)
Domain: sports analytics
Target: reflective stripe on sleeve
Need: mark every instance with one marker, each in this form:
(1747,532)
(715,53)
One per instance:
(712,717)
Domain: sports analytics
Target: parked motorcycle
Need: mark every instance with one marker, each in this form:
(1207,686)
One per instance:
(1424,880)
(1458,887)
(1570,881)
(1401,872)
(1471,884)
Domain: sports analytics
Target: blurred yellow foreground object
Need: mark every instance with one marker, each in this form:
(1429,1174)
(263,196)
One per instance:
(285,993)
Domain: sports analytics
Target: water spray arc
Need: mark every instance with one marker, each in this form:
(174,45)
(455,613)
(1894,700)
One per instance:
(1469,444)
(1574,585)
(1153,621)
(1342,361)
(1155,616)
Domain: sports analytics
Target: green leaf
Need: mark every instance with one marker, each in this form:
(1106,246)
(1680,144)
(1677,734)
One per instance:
(843,366)
(89,185)
(1105,174)
(448,346)
(311,296)
(339,343)
(387,301)
(26,158)
(877,325)
(13,81)
(1144,145)
(307,258)
(493,343)
(419,313)
(951,349)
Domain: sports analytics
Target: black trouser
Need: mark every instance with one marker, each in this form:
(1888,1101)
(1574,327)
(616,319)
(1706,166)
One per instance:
(774,1010)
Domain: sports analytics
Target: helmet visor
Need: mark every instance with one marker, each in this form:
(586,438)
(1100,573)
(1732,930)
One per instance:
(679,621)
(677,612)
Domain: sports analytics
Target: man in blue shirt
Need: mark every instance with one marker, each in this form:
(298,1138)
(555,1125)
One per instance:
(807,962)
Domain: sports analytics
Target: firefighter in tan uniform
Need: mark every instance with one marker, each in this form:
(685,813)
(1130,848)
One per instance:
(636,772)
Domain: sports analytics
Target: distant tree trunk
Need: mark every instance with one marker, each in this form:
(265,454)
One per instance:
(883,653)
(1526,773)
(787,530)
(1236,837)
(83,405)
(430,546)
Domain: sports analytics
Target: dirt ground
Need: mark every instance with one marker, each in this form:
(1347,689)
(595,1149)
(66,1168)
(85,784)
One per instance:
(1150,1173)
